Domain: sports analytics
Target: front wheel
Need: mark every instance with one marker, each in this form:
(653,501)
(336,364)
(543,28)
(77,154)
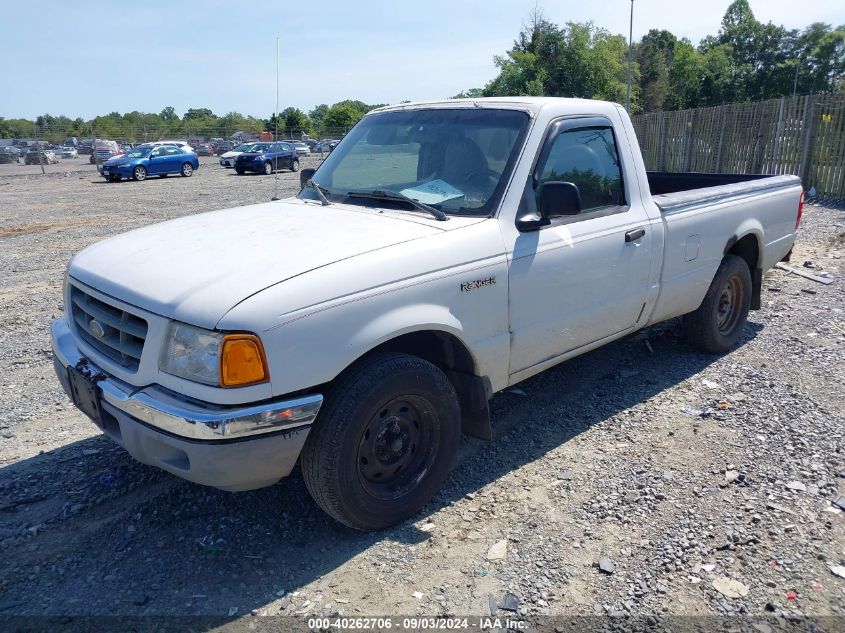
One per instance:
(294,166)
(268,168)
(384,441)
(187,170)
(718,323)
(139,173)
(240,171)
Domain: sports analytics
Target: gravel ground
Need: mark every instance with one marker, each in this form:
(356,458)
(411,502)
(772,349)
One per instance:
(643,478)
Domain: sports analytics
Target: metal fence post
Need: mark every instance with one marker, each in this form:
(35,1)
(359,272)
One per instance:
(661,142)
(809,129)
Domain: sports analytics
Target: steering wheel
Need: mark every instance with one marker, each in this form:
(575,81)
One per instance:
(481,173)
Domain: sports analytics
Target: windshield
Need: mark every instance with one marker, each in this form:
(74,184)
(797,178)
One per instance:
(257,147)
(140,151)
(456,160)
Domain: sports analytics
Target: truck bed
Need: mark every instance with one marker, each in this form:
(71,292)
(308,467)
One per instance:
(674,192)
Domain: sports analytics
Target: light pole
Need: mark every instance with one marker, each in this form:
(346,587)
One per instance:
(630,45)
(276,134)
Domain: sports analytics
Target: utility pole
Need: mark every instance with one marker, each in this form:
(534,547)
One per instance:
(630,46)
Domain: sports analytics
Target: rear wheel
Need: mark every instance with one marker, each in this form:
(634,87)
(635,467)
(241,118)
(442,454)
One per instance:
(294,165)
(139,173)
(268,168)
(187,170)
(384,441)
(718,323)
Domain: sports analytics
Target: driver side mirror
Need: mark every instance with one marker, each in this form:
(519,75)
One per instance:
(305,175)
(555,199)
(559,198)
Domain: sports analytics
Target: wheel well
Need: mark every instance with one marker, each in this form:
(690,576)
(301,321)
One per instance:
(451,356)
(439,348)
(749,249)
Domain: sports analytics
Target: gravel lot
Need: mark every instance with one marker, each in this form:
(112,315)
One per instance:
(642,478)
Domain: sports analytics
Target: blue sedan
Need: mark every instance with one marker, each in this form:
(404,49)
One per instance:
(148,160)
(265,158)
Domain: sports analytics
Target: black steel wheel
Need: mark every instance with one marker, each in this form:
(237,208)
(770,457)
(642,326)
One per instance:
(717,324)
(399,442)
(384,441)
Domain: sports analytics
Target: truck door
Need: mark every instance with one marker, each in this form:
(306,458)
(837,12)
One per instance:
(584,276)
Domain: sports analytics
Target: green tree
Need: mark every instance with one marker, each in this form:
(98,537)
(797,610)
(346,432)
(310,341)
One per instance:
(198,113)
(685,77)
(655,54)
(295,119)
(577,60)
(341,116)
(317,115)
(168,114)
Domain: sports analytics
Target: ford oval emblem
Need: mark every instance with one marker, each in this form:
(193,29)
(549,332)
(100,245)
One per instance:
(96,328)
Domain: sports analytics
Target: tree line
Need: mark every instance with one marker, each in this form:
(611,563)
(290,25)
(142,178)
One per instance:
(143,126)
(745,61)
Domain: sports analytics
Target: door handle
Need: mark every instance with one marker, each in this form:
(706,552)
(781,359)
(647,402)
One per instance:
(634,234)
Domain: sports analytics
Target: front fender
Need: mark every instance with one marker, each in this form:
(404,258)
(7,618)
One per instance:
(419,317)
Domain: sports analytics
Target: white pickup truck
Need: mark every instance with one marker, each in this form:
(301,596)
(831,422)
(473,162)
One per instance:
(443,252)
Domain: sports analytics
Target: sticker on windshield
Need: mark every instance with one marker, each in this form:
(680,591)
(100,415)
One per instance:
(433,192)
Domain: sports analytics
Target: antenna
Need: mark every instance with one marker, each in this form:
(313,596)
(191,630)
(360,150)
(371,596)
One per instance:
(276,135)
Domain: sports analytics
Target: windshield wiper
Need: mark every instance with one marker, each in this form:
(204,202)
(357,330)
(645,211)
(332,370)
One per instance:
(313,185)
(386,194)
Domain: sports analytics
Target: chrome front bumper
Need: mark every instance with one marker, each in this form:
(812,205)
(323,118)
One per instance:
(157,408)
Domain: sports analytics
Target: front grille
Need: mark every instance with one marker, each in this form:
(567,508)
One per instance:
(123,334)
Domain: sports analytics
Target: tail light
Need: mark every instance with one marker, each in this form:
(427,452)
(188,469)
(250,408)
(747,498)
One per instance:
(800,210)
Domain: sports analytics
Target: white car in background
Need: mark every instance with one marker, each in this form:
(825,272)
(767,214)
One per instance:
(227,160)
(68,151)
(180,144)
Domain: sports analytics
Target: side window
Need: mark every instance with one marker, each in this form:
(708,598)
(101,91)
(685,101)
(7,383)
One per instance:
(173,151)
(285,147)
(158,151)
(586,157)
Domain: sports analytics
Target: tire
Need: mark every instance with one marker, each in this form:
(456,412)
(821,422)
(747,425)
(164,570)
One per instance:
(384,442)
(139,173)
(240,171)
(717,324)
(294,166)
(268,168)
(187,170)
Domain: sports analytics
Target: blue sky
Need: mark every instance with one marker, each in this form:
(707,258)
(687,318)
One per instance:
(101,57)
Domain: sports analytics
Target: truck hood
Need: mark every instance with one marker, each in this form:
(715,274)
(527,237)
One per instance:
(196,268)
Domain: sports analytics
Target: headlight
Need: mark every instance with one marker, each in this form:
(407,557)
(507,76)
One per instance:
(213,358)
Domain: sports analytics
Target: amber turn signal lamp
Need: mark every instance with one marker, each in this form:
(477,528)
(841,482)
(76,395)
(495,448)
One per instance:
(243,361)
